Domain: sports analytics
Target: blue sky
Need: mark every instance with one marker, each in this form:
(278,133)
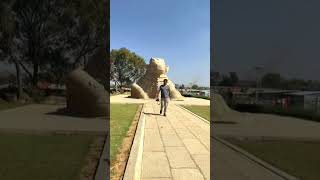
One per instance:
(176,30)
(281,36)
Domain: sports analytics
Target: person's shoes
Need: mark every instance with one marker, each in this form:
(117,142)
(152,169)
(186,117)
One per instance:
(160,111)
(165,114)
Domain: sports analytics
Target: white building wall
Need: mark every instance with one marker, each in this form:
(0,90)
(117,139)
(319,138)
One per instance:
(312,102)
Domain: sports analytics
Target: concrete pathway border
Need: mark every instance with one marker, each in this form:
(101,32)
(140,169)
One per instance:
(206,121)
(100,172)
(271,138)
(256,160)
(134,164)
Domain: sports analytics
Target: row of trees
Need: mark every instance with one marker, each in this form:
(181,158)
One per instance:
(192,86)
(48,38)
(268,80)
(126,67)
(230,79)
(275,80)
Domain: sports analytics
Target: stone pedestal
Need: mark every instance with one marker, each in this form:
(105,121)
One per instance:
(85,96)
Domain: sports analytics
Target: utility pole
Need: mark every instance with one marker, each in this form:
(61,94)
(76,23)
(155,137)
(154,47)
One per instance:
(257,69)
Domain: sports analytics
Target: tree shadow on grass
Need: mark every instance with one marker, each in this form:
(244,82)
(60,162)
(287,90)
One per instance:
(65,112)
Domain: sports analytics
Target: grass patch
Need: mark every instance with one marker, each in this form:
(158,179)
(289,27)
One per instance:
(202,111)
(6,105)
(300,159)
(121,117)
(55,157)
(296,112)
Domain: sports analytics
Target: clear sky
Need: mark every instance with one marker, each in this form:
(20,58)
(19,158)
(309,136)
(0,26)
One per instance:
(176,30)
(282,36)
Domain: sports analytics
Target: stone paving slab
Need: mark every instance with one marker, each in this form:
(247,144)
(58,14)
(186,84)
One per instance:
(179,157)
(202,162)
(195,147)
(152,140)
(186,174)
(155,165)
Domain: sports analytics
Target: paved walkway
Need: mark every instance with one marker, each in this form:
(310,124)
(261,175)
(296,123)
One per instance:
(175,146)
(178,147)
(228,164)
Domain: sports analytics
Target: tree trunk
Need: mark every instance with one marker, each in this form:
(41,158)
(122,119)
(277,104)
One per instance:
(35,74)
(19,86)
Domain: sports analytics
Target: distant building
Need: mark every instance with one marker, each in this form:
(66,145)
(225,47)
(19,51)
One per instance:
(265,96)
(305,99)
(273,96)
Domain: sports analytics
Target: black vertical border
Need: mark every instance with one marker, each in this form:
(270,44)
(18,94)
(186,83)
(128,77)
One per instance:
(212,60)
(107,48)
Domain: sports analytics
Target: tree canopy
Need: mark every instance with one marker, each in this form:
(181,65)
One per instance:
(51,36)
(126,66)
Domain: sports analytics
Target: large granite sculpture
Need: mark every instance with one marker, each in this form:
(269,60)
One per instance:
(148,85)
(85,95)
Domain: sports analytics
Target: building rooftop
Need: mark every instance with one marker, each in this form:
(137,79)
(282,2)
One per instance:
(277,91)
(304,93)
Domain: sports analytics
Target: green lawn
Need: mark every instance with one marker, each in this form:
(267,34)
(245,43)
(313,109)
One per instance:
(54,157)
(300,159)
(5,105)
(202,111)
(121,117)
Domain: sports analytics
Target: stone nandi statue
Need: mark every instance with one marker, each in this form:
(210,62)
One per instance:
(148,85)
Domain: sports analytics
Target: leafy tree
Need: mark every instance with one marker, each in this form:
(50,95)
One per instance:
(51,36)
(126,66)
(7,40)
(234,78)
(271,80)
(295,84)
(226,81)
(215,78)
(195,86)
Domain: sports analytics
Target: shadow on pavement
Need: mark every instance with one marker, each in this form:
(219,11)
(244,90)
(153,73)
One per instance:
(156,114)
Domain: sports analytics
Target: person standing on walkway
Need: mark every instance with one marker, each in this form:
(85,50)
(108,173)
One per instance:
(165,96)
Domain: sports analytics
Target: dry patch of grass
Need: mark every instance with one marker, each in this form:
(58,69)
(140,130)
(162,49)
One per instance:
(124,120)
